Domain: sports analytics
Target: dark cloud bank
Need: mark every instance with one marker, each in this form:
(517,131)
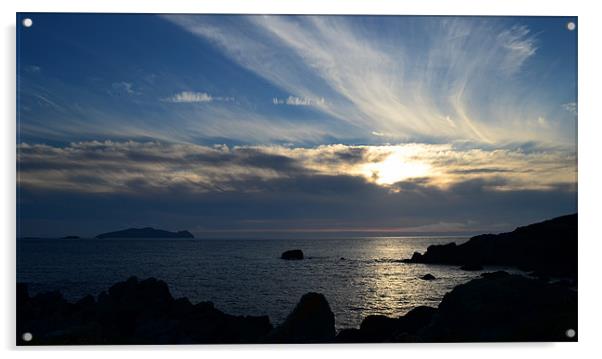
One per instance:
(258,194)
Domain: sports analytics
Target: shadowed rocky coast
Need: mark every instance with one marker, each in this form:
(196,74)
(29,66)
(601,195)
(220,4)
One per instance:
(496,307)
(547,248)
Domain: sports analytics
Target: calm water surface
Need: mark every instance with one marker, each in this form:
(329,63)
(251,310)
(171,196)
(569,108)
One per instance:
(247,276)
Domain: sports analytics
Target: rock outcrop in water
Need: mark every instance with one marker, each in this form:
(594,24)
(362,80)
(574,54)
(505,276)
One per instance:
(147,232)
(548,247)
(496,307)
(293,254)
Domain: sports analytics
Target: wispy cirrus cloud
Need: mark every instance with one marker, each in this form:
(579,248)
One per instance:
(521,46)
(299,101)
(571,107)
(122,87)
(33,68)
(342,79)
(461,82)
(195,97)
(189,97)
(221,119)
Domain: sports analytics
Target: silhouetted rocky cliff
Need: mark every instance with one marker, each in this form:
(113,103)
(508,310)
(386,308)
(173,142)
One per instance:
(548,248)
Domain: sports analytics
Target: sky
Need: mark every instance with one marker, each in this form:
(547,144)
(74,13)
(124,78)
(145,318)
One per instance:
(294,126)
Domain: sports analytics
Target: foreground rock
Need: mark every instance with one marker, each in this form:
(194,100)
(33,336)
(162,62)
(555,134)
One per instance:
(504,307)
(311,321)
(548,247)
(147,232)
(131,312)
(496,307)
(382,329)
(293,254)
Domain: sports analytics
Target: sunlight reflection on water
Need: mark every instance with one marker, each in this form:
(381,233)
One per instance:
(247,276)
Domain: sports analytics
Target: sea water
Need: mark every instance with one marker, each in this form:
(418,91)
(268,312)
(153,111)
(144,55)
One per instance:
(358,276)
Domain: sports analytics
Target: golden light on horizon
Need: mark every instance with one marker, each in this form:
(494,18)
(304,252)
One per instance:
(397,166)
(436,165)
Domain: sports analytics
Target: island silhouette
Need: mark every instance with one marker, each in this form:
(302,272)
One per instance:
(146,232)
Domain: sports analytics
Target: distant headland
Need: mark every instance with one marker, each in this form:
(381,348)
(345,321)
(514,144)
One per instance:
(147,232)
(547,248)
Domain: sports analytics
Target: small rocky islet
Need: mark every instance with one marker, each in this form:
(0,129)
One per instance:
(293,254)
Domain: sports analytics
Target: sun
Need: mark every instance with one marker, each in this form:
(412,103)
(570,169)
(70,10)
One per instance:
(397,166)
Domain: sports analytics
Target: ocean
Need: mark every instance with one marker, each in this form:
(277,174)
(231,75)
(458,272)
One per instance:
(358,276)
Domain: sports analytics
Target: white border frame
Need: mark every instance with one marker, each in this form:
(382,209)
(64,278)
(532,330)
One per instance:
(589,167)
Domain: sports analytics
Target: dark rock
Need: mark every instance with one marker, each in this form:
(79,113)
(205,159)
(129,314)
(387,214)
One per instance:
(86,301)
(379,328)
(182,307)
(70,237)
(311,321)
(565,283)
(495,275)
(383,329)
(428,276)
(416,257)
(495,307)
(22,293)
(152,293)
(504,307)
(435,253)
(351,335)
(292,254)
(147,232)
(132,312)
(471,267)
(418,318)
(540,275)
(548,247)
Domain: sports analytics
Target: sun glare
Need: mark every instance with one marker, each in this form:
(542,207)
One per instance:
(394,168)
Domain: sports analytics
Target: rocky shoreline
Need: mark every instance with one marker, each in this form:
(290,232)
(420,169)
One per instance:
(495,307)
(548,249)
